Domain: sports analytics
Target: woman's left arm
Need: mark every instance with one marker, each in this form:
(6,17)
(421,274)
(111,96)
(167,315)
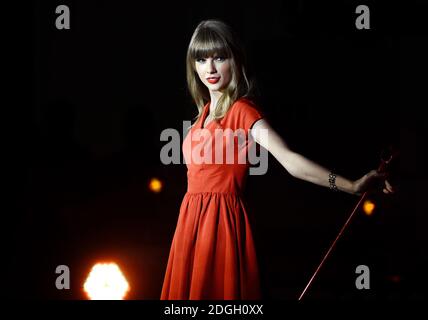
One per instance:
(302,168)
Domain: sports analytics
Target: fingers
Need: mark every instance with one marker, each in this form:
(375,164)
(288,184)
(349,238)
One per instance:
(388,188)
(376,177)
(388,185)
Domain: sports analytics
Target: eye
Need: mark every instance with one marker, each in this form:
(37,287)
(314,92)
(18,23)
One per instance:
(200,60)
(220,59)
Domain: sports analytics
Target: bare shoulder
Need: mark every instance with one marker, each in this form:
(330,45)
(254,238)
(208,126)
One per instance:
(261,124)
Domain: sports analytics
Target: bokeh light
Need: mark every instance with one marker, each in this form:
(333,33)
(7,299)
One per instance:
(106,282)
(369,207)
(155,185)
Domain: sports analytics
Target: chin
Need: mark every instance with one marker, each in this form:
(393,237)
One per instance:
(215,87)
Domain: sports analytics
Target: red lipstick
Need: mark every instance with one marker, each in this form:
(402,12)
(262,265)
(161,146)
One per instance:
(213,80)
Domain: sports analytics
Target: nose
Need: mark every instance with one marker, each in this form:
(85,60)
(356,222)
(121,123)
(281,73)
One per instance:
(211,66)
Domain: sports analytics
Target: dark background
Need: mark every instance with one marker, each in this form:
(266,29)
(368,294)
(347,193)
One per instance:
(87,144)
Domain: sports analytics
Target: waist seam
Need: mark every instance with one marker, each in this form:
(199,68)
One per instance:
(214,192)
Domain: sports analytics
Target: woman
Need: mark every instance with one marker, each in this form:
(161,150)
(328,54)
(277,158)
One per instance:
(212,254)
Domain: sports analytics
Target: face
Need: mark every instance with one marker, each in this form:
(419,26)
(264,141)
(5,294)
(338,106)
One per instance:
(214,72)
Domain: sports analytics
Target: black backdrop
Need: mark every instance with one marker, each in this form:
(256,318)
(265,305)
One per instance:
(102,92)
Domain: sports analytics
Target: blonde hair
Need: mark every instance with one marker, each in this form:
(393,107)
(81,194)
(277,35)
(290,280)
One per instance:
(210,38)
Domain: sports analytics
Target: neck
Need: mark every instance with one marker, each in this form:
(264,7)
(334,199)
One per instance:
(214,97)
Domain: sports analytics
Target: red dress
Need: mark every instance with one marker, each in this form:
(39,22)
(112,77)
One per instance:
(212,254)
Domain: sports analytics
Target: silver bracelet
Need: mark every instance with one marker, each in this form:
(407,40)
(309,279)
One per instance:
(332,181)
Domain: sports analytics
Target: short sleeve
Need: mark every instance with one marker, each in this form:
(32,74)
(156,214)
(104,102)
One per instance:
(248,113)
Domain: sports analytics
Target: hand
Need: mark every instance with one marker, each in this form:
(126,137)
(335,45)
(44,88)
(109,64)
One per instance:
(372,181)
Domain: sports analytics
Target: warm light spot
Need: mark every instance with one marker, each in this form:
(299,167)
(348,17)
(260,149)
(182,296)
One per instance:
(106,282)
(155,185)
(368,207)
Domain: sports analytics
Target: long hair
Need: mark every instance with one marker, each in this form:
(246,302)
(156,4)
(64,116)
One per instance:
(214,37)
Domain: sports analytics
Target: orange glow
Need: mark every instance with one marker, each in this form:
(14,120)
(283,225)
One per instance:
(106,282)
(155,185)
(368,207)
